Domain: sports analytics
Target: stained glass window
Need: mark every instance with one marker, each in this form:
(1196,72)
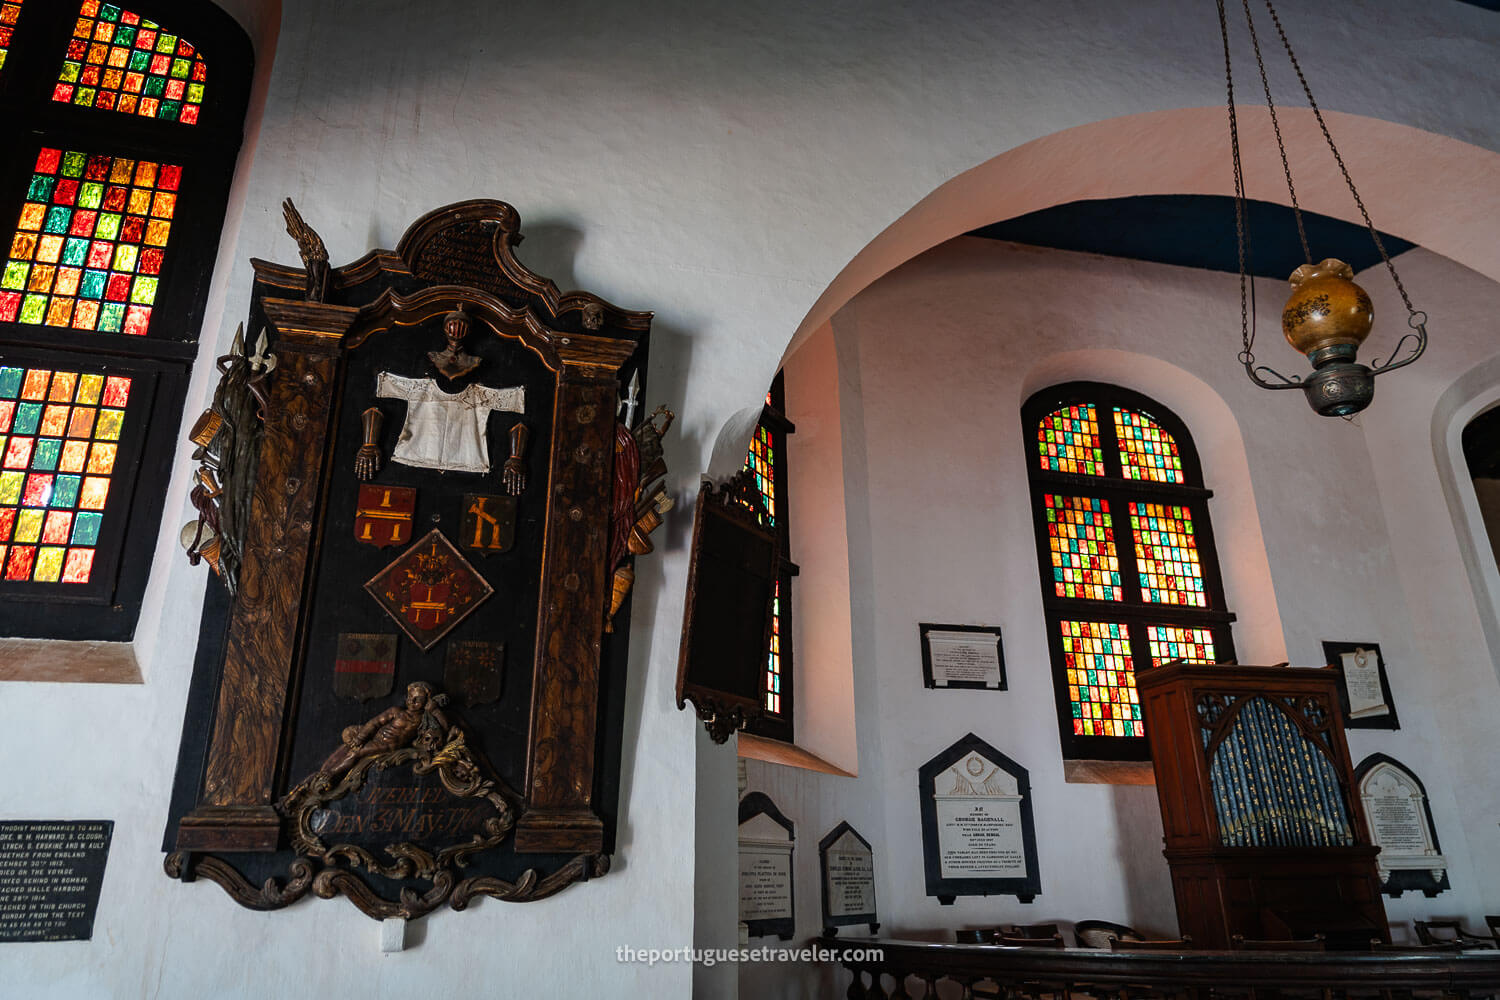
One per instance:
(1171,642)
(762,462)
(89,248)
(1080,533)
(1167,554)
(773,658)
(1068,441)
(1101,679)
(59,433)
(10,10)
(118,61)
(1144,519)
(1146,451)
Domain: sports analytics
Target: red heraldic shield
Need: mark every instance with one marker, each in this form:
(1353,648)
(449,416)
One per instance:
(429,589)
(365,667)
(383,515)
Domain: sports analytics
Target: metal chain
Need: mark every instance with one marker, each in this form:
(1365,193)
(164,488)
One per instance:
(1246,337)
(1286,167)
(1318,114)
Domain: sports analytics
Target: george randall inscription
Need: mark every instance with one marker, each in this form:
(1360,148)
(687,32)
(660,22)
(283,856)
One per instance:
(50,873)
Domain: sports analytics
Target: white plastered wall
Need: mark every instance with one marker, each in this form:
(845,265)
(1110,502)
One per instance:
(720,167)
(936,360)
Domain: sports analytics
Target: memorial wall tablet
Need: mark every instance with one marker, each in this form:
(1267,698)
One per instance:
(962,656)
(847,865)
(50,873)
(978,838)
(767,902)
(423,482)
(1364,691)
(1400,821)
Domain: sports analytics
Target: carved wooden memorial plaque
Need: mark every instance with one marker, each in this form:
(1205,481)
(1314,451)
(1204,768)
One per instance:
(977,832)
(50,873)
(429,436)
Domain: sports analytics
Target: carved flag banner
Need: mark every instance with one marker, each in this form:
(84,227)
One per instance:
(474,671)
(489,523)
(366,665)
(429,589)
(383,515)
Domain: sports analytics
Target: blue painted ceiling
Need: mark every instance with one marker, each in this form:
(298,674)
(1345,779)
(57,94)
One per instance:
(1193,231)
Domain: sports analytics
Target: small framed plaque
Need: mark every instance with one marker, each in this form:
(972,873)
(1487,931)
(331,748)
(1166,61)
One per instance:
(847,864)
(1364,692)
(962,656)
(1400,821)
(767,902)
(978,837)
(50,874)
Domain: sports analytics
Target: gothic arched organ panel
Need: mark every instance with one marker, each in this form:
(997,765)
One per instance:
(410,677)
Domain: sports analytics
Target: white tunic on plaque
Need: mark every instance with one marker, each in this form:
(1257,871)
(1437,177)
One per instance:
(446,430)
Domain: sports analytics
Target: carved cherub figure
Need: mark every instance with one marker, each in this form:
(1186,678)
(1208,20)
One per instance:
(452,361)
(419,722)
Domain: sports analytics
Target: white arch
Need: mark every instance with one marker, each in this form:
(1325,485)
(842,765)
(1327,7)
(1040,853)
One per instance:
(1437,192)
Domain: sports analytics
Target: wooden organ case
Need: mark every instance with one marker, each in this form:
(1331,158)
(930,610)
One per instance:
(461,754)
(1263,834)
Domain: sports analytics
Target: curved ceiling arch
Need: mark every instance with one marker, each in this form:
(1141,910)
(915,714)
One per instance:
(1437,192)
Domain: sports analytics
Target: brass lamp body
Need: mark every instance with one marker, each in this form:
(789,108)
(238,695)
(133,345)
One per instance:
(1326,318)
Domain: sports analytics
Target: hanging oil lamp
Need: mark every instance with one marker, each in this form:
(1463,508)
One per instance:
(1328,316)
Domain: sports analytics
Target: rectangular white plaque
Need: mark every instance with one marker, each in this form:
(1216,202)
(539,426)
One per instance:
(964,656)
(765,881)
(981,836)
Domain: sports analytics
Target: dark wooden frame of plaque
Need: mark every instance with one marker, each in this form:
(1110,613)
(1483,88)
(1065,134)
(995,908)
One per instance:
(241,719)
(1026,888)
(760,804)
(925,627)
(1403,879)
(832,924)
(721,674)
(1334,651)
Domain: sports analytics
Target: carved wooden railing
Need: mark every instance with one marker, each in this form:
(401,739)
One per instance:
(898,970)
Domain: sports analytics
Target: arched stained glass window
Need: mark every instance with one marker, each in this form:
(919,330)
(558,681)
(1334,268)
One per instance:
(119,61)
(1129,576)
(10,11)
(109,228)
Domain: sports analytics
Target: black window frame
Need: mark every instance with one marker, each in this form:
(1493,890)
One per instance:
(779,725)
(1132,611)
(160,362)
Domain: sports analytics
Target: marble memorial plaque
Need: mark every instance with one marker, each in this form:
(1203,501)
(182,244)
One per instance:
(50,873)
(964,656)
(766,898)
(1400,822)
(977,831)
(848,867)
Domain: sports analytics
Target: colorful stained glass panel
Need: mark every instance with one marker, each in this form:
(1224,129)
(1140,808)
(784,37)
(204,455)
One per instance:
(1146,451)
(1173,642)
(64,259)
(761,461)
(1101,679)
(773,656)
(1166,554)
(119,61)
(49,515)
(1068,441)
(10,11)
(1081,537)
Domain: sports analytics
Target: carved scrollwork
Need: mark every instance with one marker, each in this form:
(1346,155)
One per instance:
(720,719)
(271,895)
(529,888)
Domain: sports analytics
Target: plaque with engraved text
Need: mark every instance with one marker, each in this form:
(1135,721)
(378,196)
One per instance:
(977,832)
(50,873)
